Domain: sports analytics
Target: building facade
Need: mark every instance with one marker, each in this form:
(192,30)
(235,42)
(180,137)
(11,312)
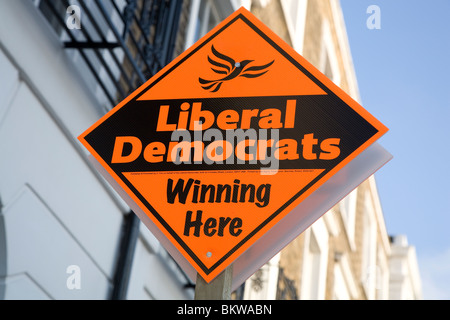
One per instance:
(65,234)
(346,254)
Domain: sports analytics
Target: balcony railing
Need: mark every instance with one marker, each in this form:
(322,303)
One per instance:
(286,287)
(122,42)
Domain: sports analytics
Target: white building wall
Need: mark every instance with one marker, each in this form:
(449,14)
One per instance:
(52,203)
(155,275)
(55,210)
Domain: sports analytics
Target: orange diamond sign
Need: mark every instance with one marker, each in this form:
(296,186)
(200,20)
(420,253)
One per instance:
(227,139)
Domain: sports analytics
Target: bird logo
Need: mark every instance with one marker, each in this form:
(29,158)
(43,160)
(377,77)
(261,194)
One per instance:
(231,69)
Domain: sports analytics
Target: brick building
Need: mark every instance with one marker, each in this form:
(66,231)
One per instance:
(347,254)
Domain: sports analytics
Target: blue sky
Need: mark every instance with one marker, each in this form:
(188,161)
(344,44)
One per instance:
(403,73)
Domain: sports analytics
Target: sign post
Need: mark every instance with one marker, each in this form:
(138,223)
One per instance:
(218,289)
(219,148)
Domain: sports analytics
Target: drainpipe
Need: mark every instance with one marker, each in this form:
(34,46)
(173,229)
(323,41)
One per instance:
(130,234)
(130,231)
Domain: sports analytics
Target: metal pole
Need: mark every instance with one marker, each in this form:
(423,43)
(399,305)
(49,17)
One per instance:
(218,289)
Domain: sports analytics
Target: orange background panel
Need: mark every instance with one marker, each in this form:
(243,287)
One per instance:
(239,42)
(153,185)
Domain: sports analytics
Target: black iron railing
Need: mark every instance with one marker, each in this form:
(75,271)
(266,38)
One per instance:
(286,287)
(123,43)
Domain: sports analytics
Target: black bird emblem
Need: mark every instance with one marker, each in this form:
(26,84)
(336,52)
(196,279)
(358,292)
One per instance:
(231,69)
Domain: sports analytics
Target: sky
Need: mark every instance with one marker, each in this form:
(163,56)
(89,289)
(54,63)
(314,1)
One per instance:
(403,74)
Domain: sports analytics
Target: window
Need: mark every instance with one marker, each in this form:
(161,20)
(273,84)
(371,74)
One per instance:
(315,261)
(207,19)
(340,291)
(382,282)
(295,15)
(46,9)
(328,62)
(314,252)
(344,286)
(205,15)
(327,67)
(370,270)
(347,207)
